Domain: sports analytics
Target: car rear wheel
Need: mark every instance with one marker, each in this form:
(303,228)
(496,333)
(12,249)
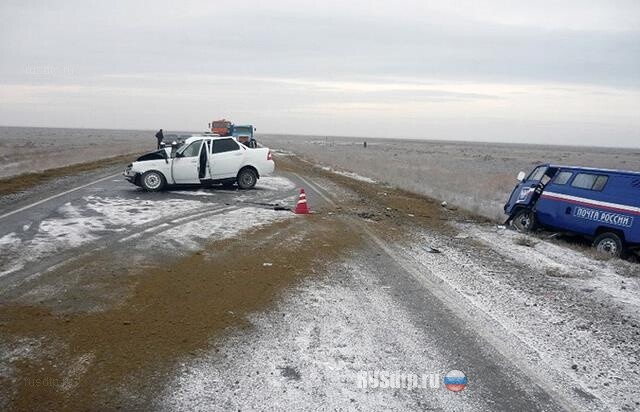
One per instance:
(247,179)
(524,220)
(609,243)
(152,181)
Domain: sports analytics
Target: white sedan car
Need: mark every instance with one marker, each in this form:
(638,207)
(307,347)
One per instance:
(202,160)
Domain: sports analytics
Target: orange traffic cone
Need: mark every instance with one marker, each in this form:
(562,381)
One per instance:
(301,207)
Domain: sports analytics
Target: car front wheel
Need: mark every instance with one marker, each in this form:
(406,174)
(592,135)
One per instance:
(247,179)
(152,181)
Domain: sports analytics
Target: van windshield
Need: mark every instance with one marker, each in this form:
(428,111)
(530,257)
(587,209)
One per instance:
(537,173)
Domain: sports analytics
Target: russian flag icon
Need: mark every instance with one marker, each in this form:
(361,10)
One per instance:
(455,381)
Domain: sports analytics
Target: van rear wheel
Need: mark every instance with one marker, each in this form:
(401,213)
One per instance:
(609,243)
(524,220)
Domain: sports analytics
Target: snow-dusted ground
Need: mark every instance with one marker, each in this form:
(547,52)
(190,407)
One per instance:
(351,175)
(307,353)
(573,318)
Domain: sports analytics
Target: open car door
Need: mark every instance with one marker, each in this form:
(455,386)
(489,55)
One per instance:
(204,167)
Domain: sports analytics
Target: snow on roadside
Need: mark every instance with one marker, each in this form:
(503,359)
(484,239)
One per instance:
(306,354)
(351,175)
(585,272)
(567,328)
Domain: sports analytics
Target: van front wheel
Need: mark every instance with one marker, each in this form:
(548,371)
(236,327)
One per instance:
(609,243)
(524,220)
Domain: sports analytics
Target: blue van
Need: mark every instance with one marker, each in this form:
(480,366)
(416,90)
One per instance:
(599,204)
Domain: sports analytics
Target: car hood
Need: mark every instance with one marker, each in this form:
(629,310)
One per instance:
(155,155)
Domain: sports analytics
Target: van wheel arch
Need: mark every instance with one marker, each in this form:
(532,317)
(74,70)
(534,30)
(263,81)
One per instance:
(604,229)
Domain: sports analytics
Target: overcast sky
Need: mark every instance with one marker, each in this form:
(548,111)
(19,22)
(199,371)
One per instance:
(543,71)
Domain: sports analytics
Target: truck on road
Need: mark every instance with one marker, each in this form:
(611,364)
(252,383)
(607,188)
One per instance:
(242,133)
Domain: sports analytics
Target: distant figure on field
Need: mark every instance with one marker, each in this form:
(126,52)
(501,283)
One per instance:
(365,144)
(159,136)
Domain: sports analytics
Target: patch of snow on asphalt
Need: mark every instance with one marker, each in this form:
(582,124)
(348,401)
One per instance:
(125,211)
(276,183)
(200,192)
(193,234)
(306,354)
(10,245)
(72,226)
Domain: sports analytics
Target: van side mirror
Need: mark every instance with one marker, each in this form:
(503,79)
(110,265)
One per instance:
(521,176)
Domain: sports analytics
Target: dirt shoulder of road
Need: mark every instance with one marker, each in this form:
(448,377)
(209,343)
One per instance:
(25,181)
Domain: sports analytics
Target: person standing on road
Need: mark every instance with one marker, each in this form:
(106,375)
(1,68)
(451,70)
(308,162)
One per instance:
(160,137)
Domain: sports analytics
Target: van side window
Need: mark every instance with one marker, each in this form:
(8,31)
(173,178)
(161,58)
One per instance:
(589,181)
(563,178)
(601,181)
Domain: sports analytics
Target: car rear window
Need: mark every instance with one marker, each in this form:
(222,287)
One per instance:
(224,145)
(563,178)
(590,181)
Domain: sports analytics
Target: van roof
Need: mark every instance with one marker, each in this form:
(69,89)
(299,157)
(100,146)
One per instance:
(592,169)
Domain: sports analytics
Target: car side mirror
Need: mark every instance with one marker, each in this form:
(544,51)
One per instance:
(520,176)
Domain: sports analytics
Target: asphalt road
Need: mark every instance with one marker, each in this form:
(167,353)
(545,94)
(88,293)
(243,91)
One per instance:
(379,307)
(47,229)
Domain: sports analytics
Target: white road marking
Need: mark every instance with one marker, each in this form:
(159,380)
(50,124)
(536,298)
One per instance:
(317,190)
(13,212)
